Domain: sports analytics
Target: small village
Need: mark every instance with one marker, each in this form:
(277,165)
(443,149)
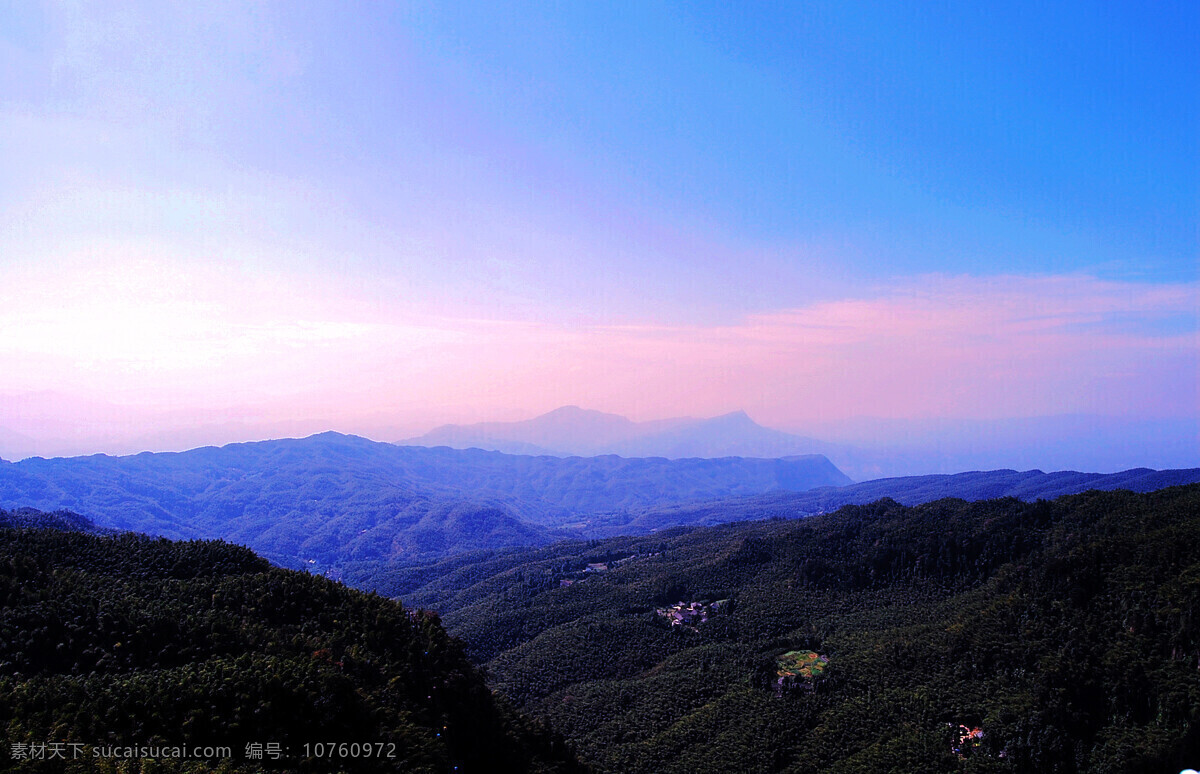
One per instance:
(690,613)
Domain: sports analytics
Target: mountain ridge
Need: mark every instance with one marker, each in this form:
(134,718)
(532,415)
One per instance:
(329,498)
(971,486)
(866,448)
(574,431)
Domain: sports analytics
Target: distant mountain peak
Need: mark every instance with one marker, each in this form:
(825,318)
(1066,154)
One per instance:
(570,409)
(568,412)
(738,417)
(572,430)
(577,412)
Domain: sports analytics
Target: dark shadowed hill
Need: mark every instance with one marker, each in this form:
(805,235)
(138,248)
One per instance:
(31,518)
(120,641)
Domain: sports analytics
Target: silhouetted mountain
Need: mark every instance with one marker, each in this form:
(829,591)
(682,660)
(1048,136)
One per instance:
(331,498)
(571,430)
(566,431)
(864,449)
(733,434)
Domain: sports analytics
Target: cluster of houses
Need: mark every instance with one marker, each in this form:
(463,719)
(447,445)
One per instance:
(690,613)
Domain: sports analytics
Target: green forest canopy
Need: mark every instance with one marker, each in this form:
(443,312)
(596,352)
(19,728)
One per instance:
(1064,630)
(128,640)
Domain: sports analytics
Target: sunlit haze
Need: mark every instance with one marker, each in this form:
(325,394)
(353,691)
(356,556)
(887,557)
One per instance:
(224,222)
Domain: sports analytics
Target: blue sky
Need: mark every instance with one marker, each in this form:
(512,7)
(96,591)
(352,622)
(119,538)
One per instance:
(813,211)
(962,138)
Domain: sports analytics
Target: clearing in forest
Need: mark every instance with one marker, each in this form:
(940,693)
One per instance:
(801,663)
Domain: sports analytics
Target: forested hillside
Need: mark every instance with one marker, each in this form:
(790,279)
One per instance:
(120,641)
(991,636)
(31,518)
(406,576)
(328,499)
(1028,485)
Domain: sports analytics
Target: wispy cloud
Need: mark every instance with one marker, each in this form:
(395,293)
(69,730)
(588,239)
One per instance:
(190,334)
(936,345)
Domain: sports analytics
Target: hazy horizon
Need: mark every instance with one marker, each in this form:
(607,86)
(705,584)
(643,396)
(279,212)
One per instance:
(868,221)
(864,447)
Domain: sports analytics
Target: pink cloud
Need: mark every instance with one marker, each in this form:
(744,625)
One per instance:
(958,346)
(271,350)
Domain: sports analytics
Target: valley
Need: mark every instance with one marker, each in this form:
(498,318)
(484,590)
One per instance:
(331,502)
(625,607)
(1055,635)
(599,388)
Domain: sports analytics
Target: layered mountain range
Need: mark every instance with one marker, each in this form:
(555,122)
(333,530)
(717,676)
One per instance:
(1013,634)
(323,500)
(330,500)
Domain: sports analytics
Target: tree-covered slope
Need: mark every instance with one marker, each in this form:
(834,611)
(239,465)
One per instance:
(31,518)
(432,579)
(130,641)
(1028,485)
(321,501)
(1064,632)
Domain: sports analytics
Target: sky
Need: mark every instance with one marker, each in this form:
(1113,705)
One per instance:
(222,221)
